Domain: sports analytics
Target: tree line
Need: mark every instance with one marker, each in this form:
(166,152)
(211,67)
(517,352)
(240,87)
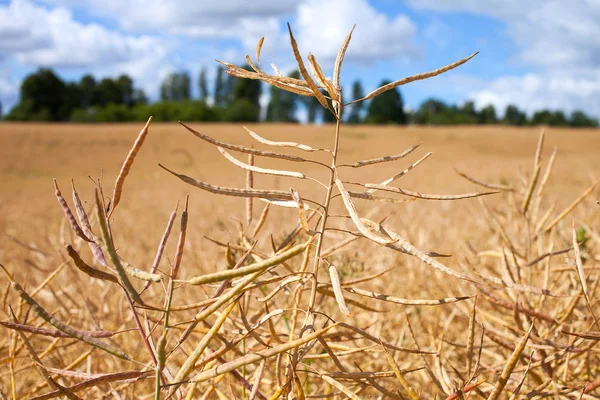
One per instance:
(44,96)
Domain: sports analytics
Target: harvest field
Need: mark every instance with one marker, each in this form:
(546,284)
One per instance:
(505,251)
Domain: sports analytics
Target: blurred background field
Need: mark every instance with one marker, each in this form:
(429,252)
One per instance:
(32,154)
(34,230)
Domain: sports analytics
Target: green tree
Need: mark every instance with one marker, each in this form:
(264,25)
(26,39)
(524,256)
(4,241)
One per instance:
(249,89)
(245,92)
(327,116)
(44,97)
(514,116)
(487,115)
(282,104)
(387,108)
(202,85)
(430,112)
(558,118)
(176,87)
(312,107)
(469,112)
(108,92)
(220,89)
(579,119)
(241,110)
(542,117)
(87,90)
(355,109)
(139,97)
(125,84)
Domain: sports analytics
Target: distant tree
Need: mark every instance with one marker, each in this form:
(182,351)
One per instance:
(202,85)
(514,116)
(312,107)
(108,91)
(87,91)
(469,111)
(220,86)
(248,90)
(430,112)
(387,108)
(242,110)
(542,117)
(327,116)
(355,109)
(558,118)
(282,104)
(139,97)
(1,110)
(44,97)
(579,120)
(487,115)
(176,87)
(125,84)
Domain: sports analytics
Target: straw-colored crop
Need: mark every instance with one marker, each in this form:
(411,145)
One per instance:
(346,289)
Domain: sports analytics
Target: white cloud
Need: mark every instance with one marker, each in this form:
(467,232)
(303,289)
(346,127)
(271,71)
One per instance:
(322,27)
(198,18)
(536,91)
(35,35)
(38,36)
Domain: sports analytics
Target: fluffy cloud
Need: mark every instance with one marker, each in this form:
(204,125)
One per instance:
(323,26)
(533,91)
(198,18)
(559,40)
(35,35)
(38,36)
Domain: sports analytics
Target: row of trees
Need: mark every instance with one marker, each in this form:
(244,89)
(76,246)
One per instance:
(45,97)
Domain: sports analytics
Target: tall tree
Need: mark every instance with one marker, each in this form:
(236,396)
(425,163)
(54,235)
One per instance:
(87,90)
(108,91)
(579,119)
(559,119)
(245,105)
(355,109)
(202,85)
(220,86)
(312,107)
(139,97)
(176,87)
(43,97)
(282,104)
(327,116)
(387,108)
(248,89)
(487,115)
(514,116)
(125,84)
(469,110)
(542,117)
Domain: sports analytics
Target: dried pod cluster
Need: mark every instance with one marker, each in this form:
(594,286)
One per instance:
(271,326)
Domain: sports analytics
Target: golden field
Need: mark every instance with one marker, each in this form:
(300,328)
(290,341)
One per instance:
(34,233)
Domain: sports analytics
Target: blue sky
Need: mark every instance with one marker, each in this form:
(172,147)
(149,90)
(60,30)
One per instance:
(535,54)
